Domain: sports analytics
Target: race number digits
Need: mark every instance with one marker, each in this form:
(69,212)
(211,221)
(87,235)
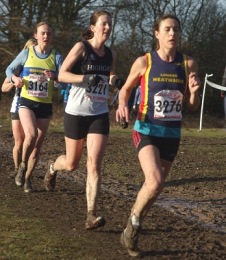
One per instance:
(168,105)
(38,85)
(99,92)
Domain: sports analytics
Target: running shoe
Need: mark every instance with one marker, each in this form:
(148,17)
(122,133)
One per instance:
(28,186)
(129,239)
(93,222)
(20,176)
(12,175)
(50,177)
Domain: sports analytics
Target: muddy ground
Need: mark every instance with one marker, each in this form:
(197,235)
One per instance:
(188,221)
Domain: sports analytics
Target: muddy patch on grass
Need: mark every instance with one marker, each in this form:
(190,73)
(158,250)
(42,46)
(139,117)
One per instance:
(186,222)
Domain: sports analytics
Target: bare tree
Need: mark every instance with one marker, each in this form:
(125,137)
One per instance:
(203,28)
(18,18)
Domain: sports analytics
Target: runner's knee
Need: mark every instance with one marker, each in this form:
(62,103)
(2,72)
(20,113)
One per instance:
(71,167)
(154,186)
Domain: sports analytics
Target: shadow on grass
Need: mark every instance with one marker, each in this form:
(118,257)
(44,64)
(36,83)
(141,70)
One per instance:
(193,180)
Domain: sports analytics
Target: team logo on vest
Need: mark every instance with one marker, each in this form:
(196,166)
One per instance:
(91,57)
(180,64)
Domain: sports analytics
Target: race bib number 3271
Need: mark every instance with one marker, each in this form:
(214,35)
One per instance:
(168,105)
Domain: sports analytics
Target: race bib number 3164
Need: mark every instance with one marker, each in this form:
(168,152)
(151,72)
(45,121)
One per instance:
(168,105)
(38,85)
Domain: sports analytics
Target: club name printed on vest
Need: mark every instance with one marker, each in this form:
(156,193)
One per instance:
(98,68)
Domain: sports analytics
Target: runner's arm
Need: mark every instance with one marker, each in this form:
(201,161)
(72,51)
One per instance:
(16,63)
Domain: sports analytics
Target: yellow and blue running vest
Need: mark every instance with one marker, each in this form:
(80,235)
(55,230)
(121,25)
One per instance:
(37,86)
(163,88)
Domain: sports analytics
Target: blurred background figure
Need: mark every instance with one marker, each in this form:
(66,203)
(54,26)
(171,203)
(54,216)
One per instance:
(17,129)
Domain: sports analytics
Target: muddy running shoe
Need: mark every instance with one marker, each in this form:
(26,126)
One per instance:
(129,239)
(28,186)
(20,176)
(50,177)
(93,222)
(12,175)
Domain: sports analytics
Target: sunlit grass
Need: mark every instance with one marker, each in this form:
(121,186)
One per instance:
(204,133)
(57,126)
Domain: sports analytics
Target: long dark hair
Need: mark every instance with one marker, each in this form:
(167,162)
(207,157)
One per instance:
(158,22)
(87,33)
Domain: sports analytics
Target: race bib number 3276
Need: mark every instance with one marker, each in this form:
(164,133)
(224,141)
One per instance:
(168,105)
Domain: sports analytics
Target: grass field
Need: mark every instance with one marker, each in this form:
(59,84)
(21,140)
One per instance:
(187,221)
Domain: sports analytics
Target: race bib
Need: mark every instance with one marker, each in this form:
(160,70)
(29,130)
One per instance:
(168,105)
(38,85)
(99,92)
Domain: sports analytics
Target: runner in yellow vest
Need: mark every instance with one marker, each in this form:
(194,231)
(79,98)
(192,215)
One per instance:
(39,66)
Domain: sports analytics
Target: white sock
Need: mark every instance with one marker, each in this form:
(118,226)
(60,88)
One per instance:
(52,172)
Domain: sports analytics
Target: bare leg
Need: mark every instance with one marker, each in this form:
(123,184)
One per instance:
(70,161)
(96,145)
(29,124)
(42,125)
(18,134)
(155,172)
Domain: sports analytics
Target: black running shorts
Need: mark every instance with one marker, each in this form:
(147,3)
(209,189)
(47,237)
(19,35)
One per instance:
(168,147)
(14,116)
(77,127)
(41,110)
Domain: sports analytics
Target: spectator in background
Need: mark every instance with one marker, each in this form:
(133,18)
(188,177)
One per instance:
(136,98)
(130,102)
(65,93)
(18,132)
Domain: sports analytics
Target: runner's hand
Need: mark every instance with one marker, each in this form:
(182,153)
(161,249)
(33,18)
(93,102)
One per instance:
(119,83)
(92,79)
(122,116)
(193,82)
(50,75)
(17,81)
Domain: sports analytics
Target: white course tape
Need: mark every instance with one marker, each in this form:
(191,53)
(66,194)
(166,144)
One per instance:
(215,85)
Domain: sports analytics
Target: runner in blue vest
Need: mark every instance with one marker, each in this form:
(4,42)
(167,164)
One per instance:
(167,78)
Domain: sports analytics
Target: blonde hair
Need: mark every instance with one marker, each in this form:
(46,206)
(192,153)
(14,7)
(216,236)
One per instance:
(29,43)
(40,24)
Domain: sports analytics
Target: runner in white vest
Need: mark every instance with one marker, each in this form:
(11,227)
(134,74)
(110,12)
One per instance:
(90,67)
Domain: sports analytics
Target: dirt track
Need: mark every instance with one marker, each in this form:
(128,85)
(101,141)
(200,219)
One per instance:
(186,222)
